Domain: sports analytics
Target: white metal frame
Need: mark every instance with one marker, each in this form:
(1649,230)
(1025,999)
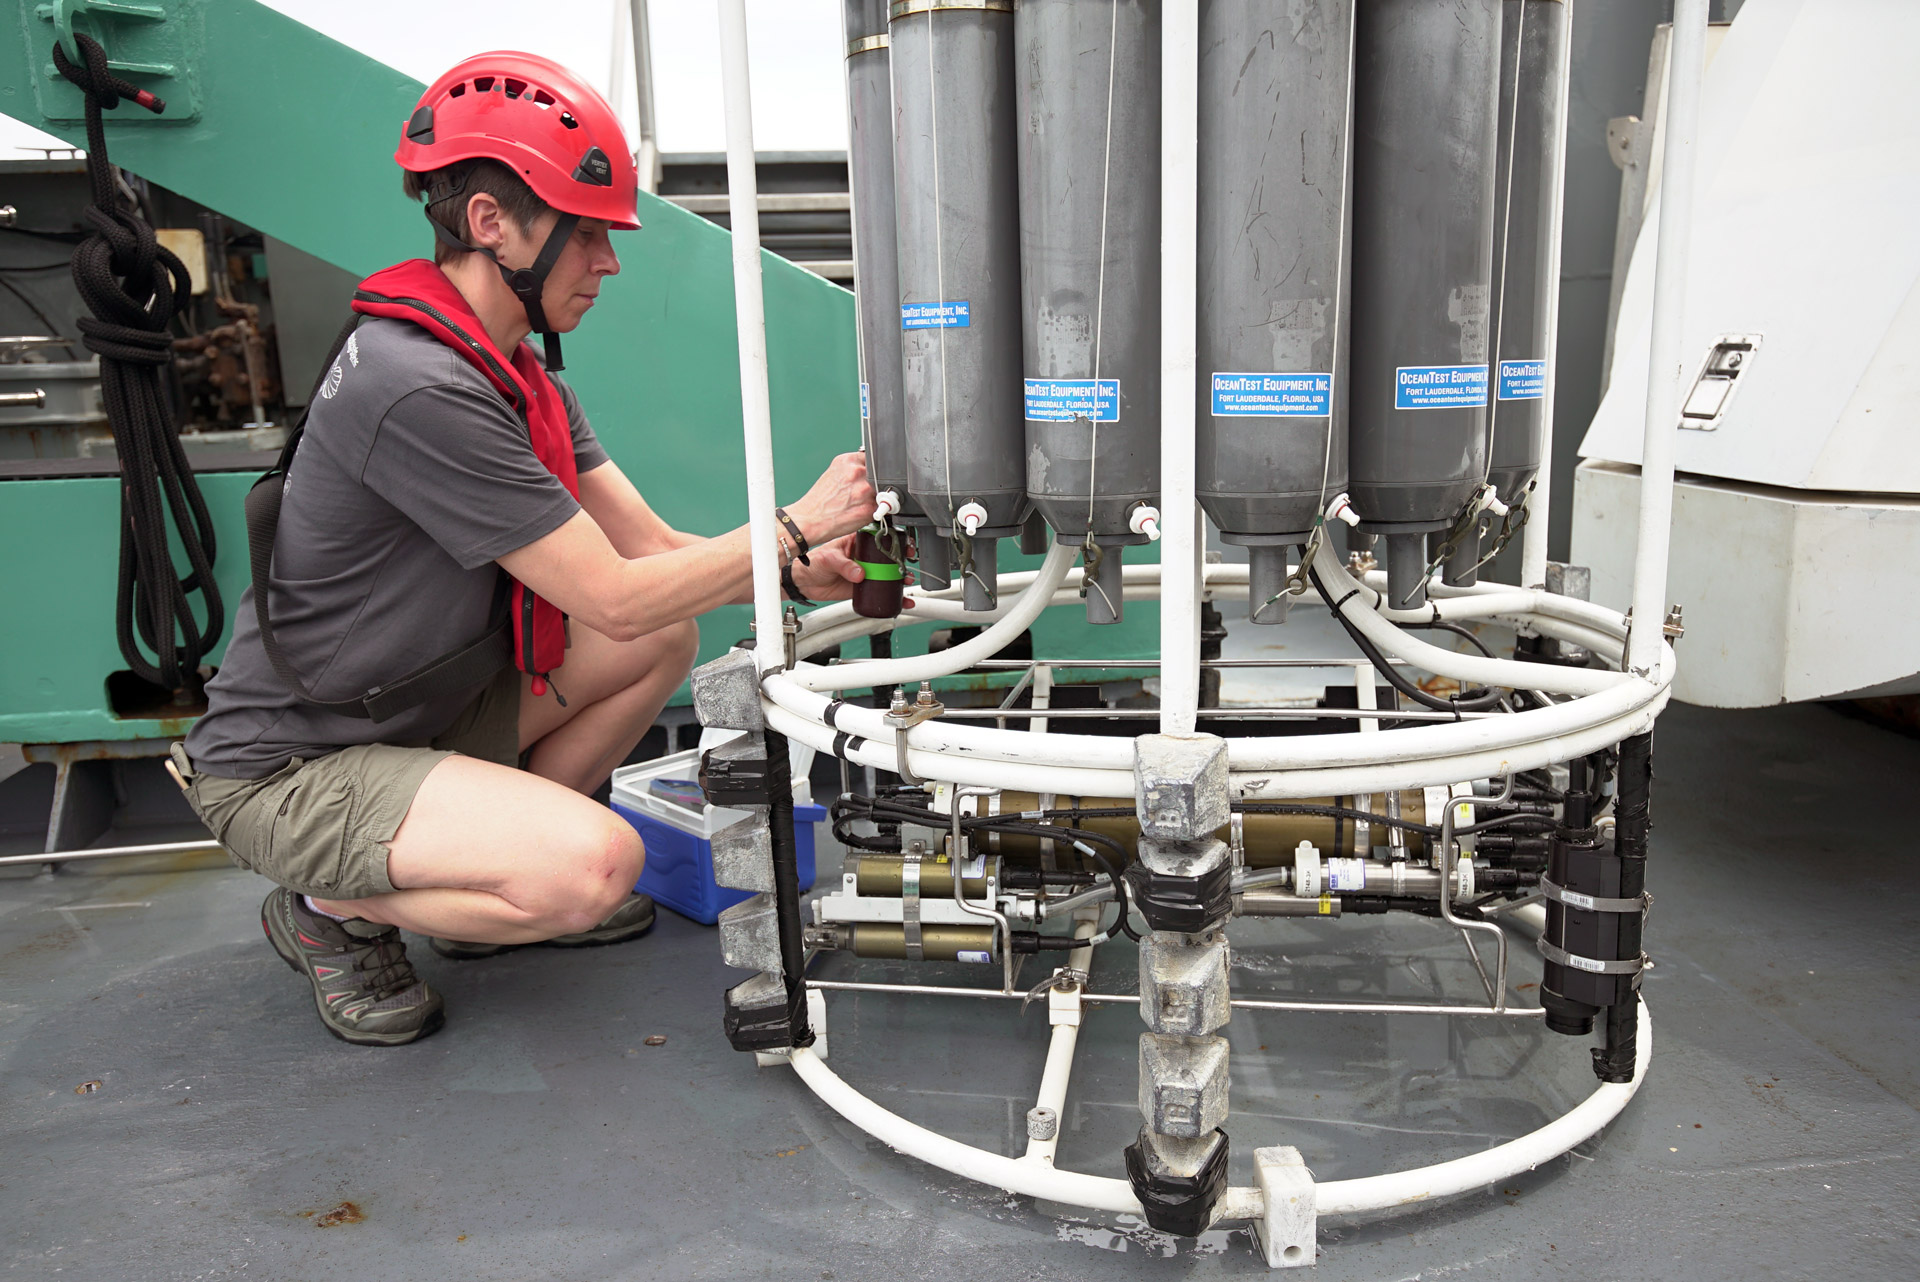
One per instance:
(1592,710)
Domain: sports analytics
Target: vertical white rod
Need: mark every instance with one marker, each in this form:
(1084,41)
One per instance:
(647,155)
(1533,539)
(1054,1079)
(1179,215)
(1686,57)
(756,410)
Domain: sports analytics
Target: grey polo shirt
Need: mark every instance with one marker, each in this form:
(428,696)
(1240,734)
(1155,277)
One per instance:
(413,476)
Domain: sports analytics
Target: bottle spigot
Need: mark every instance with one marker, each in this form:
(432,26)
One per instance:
(971,517)
(1145,519)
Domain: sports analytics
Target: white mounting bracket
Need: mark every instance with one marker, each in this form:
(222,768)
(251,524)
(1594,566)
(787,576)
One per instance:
(1289,1222)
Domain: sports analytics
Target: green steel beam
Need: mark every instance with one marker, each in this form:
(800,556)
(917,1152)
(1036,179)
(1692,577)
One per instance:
(293,134)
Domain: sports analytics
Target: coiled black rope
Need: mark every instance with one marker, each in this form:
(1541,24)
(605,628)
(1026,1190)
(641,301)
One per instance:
(134,286)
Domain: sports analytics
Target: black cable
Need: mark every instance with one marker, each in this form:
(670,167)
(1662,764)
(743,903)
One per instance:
(134,286)
(1466,701)
(1441,625)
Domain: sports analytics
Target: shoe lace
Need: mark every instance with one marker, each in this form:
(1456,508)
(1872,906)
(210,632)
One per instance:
(382,963)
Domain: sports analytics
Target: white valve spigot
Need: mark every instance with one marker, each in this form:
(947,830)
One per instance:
(885,504)
(1341,509)
(1145,520)
(971,516)
(1490,501)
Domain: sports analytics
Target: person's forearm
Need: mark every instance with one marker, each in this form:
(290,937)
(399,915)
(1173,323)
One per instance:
(654,592)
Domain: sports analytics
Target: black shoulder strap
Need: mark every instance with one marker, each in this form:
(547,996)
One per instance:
(459,669)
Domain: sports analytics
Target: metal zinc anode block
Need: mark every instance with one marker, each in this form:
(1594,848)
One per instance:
(726,693)
(1183,983)
(743,853)
(1180,1158)
(1180,785)
(1183,858)
(750,934)
(763,990)
(1183,1084)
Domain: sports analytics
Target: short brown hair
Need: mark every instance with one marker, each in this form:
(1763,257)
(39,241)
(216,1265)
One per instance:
(447,191)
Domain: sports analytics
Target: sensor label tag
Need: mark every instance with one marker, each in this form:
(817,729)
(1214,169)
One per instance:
(1439,387)
(866,411)
(975,955)
(1346,874)
(1272,395)
(1061,400)
(1523,380)
(957,315)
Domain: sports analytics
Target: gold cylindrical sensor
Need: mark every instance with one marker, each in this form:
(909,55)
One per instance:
(937,943)
(882,875)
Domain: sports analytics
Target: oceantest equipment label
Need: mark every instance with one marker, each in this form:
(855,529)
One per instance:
(1439,387)
(1272,395)
(1061,400)
(1522,380)
(866,410)
(957,315)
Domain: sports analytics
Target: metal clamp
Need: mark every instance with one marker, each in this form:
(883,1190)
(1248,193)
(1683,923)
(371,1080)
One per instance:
(903,716)
(910,906)
(906,8)
(1595,903)
(1592,965)
(866,44)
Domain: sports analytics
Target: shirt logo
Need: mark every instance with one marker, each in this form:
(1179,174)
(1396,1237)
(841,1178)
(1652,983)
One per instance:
(353,349)
(332,385)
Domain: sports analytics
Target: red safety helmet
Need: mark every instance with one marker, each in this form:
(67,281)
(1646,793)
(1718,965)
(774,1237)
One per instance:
(546,124)
(537,118)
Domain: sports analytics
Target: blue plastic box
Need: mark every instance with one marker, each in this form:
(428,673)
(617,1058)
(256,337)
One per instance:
(679,869)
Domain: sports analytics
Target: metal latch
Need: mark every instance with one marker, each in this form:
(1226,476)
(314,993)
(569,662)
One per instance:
(1720,374)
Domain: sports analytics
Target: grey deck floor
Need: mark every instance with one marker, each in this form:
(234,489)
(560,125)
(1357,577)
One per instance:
(538,1137)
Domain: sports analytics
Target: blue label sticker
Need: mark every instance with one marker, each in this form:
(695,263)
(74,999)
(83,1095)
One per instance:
(1439,387)
(1523,380)
(1060,400)
(865,410)
(936,315)
(1272,395)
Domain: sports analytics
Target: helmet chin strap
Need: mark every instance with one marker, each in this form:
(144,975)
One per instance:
(527,283)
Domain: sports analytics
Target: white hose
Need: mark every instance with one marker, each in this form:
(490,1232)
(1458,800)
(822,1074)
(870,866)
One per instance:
(1469,668)
(1014,619)
(1339,1197)
(1381,1192)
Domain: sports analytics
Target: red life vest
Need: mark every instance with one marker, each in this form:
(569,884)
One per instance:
(419,292)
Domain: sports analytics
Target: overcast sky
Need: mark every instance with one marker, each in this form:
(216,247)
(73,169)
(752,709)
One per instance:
(797,50)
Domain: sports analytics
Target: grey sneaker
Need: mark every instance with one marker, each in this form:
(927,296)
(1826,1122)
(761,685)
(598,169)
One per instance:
(363,985)
(630,920)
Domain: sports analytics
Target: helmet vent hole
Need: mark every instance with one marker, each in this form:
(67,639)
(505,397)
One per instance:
(542,98)
(483,83)
(515,88)
(457,90)
(569,121)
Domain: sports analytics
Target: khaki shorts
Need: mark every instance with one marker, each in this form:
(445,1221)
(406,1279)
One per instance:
(321,826)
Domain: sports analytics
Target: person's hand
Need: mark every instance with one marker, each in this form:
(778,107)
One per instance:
(833,573)
(840,502)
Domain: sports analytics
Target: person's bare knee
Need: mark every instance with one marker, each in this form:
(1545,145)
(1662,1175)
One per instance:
(604,870)
(680,645)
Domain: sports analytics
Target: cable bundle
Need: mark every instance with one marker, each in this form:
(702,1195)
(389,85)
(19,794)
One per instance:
(134,287)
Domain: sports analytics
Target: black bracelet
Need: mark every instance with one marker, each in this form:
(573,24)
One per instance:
(800,544)
(790,588)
